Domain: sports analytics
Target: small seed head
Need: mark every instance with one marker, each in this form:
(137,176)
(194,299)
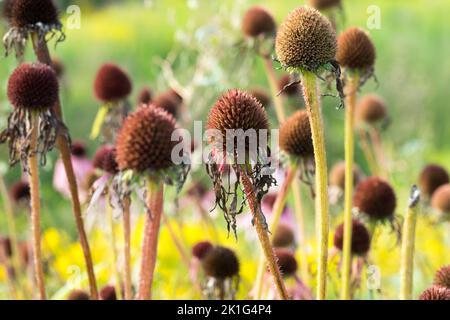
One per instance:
(355,50)
(441,199)
(30,12)
(360,238)
(435,293)
(371,109)
(201,249)
(283,236)
(221,263)
(108,293)
(432,177)
(324,4)
(78,295)
(286,261)
(337,175)
(291,90)
(258,21)
(105,159)
(111,83)
(295,135)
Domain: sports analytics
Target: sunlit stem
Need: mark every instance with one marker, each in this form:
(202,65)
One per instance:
(378,147)
(313,107)
(112,245)
(127,248)
(98,122)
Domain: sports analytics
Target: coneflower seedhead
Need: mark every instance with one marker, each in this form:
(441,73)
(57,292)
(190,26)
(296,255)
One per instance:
(168,102)
(20,192)
(261,96)
(371,109)
(258,21)
(221,263)
(31,12)
(285,84)
(286,261)
(78,149)
(305,40)
(108,293)
(144,96)
(441,199)
(111,84)
(375,198)
(283,236)
(442,277)
(432,177)
(337,175)
(295,135)
(355,50)
(201,249)
(144,141)
(7,9)
(435,293)
(324,4)
(78,295)
(33,86)
(105,159)
(360,238)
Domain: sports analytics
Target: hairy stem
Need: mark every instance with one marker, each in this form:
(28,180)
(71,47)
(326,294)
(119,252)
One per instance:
(155,195)
(112,245)
(313,107)
(277,99)
(127,248)
(261,230)
(351,90)
(43,55)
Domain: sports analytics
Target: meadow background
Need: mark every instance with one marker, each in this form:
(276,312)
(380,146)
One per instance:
(413,71)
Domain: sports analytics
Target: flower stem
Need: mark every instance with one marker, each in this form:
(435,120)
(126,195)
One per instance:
(351,90)
(155,194)
(127,248)
(277,99)
(381,160)
(112,244)
(263,236)
(368,154)
(277,211)
(36,207)
(407,251)
(43,55)
(313,107)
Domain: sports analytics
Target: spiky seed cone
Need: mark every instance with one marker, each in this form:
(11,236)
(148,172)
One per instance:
(237,110)
(168,102)
(201,249)
(144,96)
(432,177)
(78,295)
(283,236)
(221,263)
(355,50)
(33,86)
(442,277)
(108,293)
(371,109)
(286,261)
(144,141)
(324,4)
(30,12)
(360,238)
(7,9)
(105,159)
(435,293)
(261,96)
(258,21)
(295,135)
(337,175)
(78,149)
(111,83)
(441,199)
(306,40)
(20,192)
(292,90)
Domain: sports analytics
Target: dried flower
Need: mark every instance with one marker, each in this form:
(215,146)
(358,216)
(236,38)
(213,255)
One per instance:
(432,177)
(78,295)
(286,261)
(258,21)
(441,199)
(295,136)
(111,84)
(221,263)
(371,109)
(356,50)
(435,293)
(360,238)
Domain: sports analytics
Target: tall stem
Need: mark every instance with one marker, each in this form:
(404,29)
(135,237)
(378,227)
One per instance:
(127,248)
(407,253)
(381,160)
(351,90)
(155,194)
(368,154)
(36,208)
(43,55)
(263,236)
(112,244)
(313,107)
(277,100)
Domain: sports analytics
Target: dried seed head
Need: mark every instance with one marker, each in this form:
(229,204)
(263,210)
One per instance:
(337,175)
(324,4)
(360,238)
(78,295)
(78,149)
(435,293)
(442,277)
(144,96)
(105,159)
(355,50)
(375,198)
(33,86)
(305,40)
(295,135)
(108,293)
(168,102)
(201,249)
(283,236)
(371,109)
(20,192)
(261,95)
(144,141)
(7,9)
(432,177)
(286,261)
(291,90)
(111,83)
(31,12)
(441,199)
(258,21)
(221,263)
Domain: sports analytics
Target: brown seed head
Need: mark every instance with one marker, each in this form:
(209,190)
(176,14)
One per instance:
(283,236)
(111,83)
(355,50)
(306,40)
(144,141)
(30,12)
(105,159)
(337,175)
(33,86)
(144,96)
(286,261)
(258,21)
(261,95)
(295,135)
(291,90)
(78,149)
(371,109)
(168,102)
(221,263)
(432,177)
(441,199)
(442,277)
(435,293)
(324,4)
(20,192)
(201,249)
(360,238)
(78,295)
(108,293)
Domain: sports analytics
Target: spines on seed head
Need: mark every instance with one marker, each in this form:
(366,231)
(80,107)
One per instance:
(356,50)
(295,135)
(111,83)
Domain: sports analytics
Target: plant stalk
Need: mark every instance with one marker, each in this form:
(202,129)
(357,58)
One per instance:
(277,99)
(127,248)
(368,154)
(112,245)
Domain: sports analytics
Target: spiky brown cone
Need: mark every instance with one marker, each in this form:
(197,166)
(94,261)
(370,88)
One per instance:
(435,293)
(221,263)
(30,12)
(375,198)
(355,50)
(257,21)
(360,238)
(295,135)
(432,177)
(111,83)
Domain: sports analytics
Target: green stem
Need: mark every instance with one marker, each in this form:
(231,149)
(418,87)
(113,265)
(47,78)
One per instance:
(313,107)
